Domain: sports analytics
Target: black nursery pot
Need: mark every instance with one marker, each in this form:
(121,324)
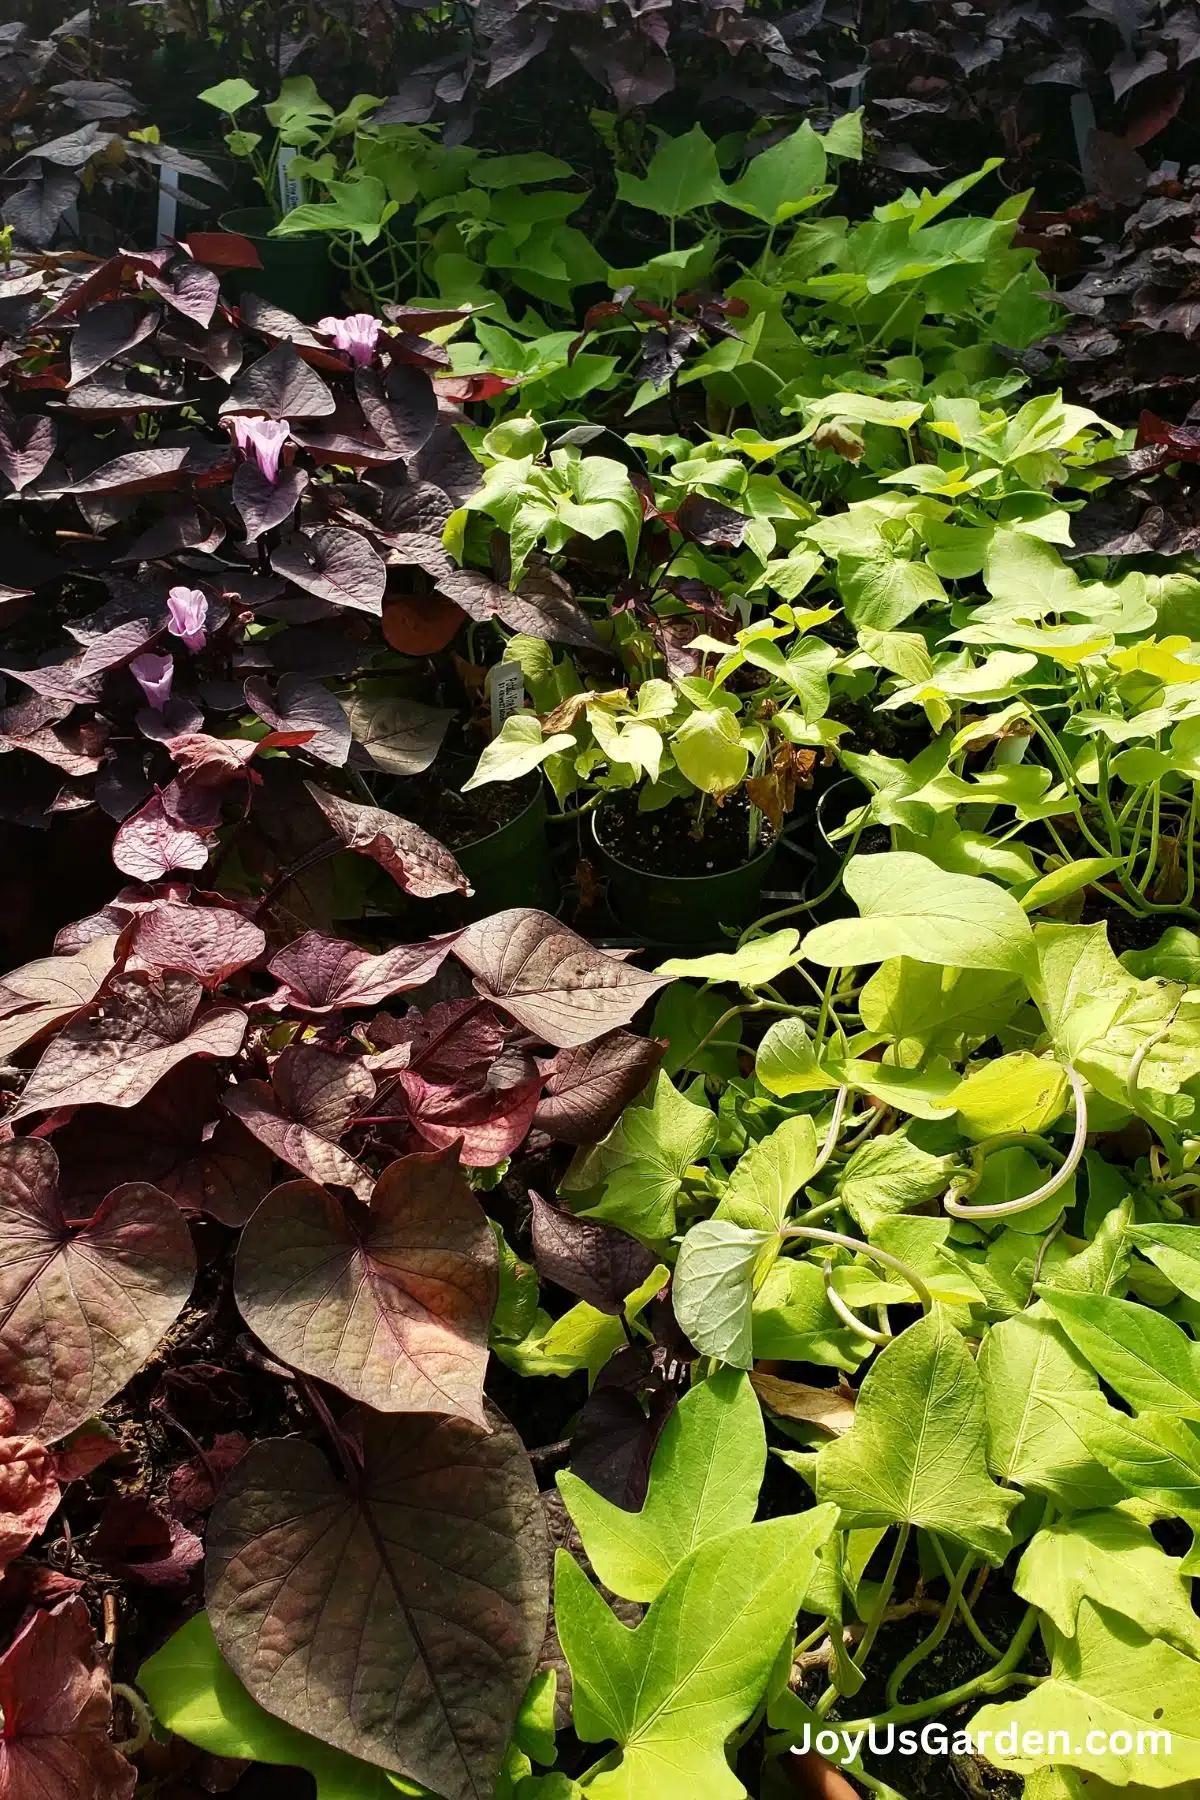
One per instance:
(297,273)
(833,808)
(507,863)
(511,866)
(677,909)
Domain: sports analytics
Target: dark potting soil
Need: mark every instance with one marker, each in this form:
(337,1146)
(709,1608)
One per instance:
(436,803)
(1127,932)
(958,1658)
(663,842)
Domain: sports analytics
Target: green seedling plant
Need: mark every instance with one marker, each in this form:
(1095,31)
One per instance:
(909,1189)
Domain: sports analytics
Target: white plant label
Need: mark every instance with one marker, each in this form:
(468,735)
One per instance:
(168,205)
(507,684)
(291,188)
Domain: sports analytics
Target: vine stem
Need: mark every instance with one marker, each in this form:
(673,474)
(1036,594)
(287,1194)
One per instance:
(143,1720)
(992,1681)
(964,1605)
(876,1620)
(1005,1209)
(929,1643)
(819,1236)
(749,1006)
(831,1136)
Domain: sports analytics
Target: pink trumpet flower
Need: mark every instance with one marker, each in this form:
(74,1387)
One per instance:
(263,439)
(188,609)
(357,335)
(154,675)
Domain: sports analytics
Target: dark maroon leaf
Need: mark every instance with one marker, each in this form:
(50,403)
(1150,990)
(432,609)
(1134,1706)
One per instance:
(26,448)
(708,522)
(488,1123)
(188,287)
(265,504)
(620,1424)
(178,1139)
(1183,441)
(389,1301)
(46,993)
(345,441)
(324,974)
(29,726)
(665,352)
(137,472)
(411,517)
(219,348)
(595,1262)
(446,462)
(29,1490)
(420,319)
(110,396)
(453,1041)
(435,1567)
(85,1450)
(281,385)
(588,1087)
(401,408)
(543,614)
(81,1307)
(151,843)
(138,1543)
(304,1109)
(113,1057)
(550,980)
(56,1700)
(335,565)
(301,703)
(195,1484)
(210,942)
(413,859)
(108,331)
(183,528)
(1118,173)
(399,735)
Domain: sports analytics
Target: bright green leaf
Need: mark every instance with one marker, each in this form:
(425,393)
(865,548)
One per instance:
(704,1480)
(910,907)
(670,1692)
(917,1452)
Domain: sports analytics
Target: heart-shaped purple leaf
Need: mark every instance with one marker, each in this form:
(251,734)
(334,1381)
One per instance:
(550,979)
(588,1087)
(81,1308)
(435,1568)
(114,1057)
(391,1301)
(336,565)
(399,735)
(413,859)
(401,409)
(547,615)
(282,386)
(595,1262)
(209,942)
(301,703)
(323,974)
(303,1110)
(265,504)
(488,1122)
(25,448)
(107,331)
